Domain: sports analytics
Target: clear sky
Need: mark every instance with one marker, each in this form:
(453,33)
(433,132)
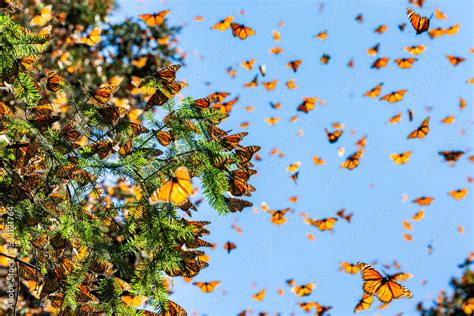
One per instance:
(267,254)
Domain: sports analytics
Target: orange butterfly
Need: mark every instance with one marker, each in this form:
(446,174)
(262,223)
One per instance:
(381,29)
(294,64)
(350,268)
(248,64)
(421,131)
(451,156)
(415,50)
(43,17)
(420,24)
(321,35)
(229,246)
(359,18)
(253,83)
(92,38)
(259,296)
(333,137)
(440,15)
(373,50)
(278,216)
(176,190)
(385,288)
(353,160)
(207,287)
(402,158)
(375,92)
(241,31)
(423,201)
(304,290)
(307,104)
(270,85)
(325,223)
(364,303)
(395,96)
(455,60)
(154,19)
(458,194)
(325,59)
(405,63)
(380,63)
(223,24)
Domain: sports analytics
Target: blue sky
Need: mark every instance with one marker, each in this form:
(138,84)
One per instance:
(266,254)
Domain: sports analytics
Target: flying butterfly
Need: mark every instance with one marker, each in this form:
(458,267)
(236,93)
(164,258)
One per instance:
(43,17)
(92,38)
(401,158)
(333,137)
(451,156)
(419,23)
(154,19)
(176,190)
(349,268)
(229,246)
(364,303)
(241,31)
(278,216)
(375,92)
(395,96)
(324,223)
(381,62)
(421,131)
(294,64)
(405,63)
(223,24)
(304,290)
(207,287)
(415,50)
(352,161)
(458,194)
(54,82)
(455,60)
(248,64)
(383,287)
(307,104)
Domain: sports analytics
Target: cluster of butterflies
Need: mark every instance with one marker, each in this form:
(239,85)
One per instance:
(383,287)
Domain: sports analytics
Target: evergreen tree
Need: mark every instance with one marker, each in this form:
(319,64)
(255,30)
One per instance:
(95,187)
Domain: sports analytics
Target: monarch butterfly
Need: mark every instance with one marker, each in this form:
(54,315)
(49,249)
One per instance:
(226,107)
(380,63)
(54,82)
(325,223)
(395,119)
(259,296)
(373,50)
(320,309)
(306,306)
(92,38)
(140,62)
(307,104)
(294,64)
(455,60)
(220,96)
(359,18)
(405,63)
(333,137)
(452,30)
(401,158)
(223,24)
(422,130)
(270,85)
(458,194)
(402,26)
(418,216)
(423,201)
(241,31)
(440,15)
(154,19)
(362,142)
(207,287)
(278,216)
(157,98)
(248,64)
(350,268)
(173,309)
(126,148)
(437,32)
(321,35)
(325,59)
(364,303)
(350,63)
(385,288)
(103,148)
(304,290)
(238,185)
(232,141)
(448,119)
(275,50)
(204,103)
(262,69)
(172,89)
(375,92)
(381,29)
(353,160)
(290,84)
(43,17)
(395,96)
(112,114)
(295,176)
(133,300)
(229,246)
(272,120)
(237,205)
(318,161)
(451,156)
(253,83)
(276,36)
(407,225)
(168,74)
(415,50)
(420,24)
(102,95)
(176,190)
